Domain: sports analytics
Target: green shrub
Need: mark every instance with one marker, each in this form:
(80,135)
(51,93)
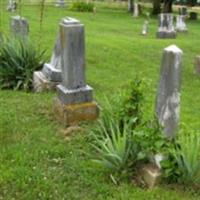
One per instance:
(82,7)
(18,60)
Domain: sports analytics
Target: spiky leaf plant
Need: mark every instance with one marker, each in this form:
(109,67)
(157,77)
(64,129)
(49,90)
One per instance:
(187,155)
(19,58)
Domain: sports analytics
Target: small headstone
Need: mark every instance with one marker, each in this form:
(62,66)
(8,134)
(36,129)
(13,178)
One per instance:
(136,10)
(145,28)
(193,16)
(12,6)
(60,3)
(197,65)
(19,26)
(166,27)
(182,11)
(75,99)
(168,95)
(180,24)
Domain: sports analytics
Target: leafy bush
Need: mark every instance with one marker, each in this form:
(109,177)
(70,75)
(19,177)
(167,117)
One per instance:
(82,7)
(19,58)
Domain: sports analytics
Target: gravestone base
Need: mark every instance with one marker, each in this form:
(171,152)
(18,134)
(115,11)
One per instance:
(181,30)
(41,83)
(166,34)
(73,96)
(51,73)
(70,114)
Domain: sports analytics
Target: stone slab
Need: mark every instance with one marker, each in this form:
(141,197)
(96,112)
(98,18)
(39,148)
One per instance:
(75,113)
(74,96)
(41,83)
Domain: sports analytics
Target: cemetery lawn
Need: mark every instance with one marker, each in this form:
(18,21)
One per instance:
(37,160)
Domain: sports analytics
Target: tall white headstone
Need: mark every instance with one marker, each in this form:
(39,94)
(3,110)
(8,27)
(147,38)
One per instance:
(168,95)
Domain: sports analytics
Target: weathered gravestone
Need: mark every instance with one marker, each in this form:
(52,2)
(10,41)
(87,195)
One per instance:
(197,65)
(168,95)
(136,10)
(182,11)
(180,24)
(145,28)
(12,6)
(19,26)
(50,76)
(60,3)
(166,27)
(75,100)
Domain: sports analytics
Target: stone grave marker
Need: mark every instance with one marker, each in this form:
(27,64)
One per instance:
(50,76)
(19,26)
(136,10)
(182,11)
(60,3)
(11,6)
(145,28)
(75,99)
(168,95)
(180,24)
(166,27)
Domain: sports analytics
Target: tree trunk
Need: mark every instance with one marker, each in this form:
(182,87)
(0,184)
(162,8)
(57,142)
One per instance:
(167,8)
(156,7)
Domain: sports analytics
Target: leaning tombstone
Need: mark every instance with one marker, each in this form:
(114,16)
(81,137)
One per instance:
(19,26)
(50,76)
(145,28)
(166,27)
(60,3)
(197,65)
(168,95)
(180,24)
(75,99)
(136,10)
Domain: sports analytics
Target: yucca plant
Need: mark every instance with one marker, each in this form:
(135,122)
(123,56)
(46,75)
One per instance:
(187,155)
(19,58)
(114,150)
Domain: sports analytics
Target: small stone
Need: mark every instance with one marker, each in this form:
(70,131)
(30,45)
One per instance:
(150,174)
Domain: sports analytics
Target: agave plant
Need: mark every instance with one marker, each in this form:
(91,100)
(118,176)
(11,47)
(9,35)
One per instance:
(187,155)
(19,58)
(114,148)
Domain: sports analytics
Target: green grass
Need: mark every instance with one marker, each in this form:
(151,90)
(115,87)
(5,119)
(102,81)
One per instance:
(35,160)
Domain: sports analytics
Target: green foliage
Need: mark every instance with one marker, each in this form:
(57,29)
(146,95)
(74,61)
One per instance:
(187,155)
(114,149)
(82,7)
(131,108)
(19,58)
